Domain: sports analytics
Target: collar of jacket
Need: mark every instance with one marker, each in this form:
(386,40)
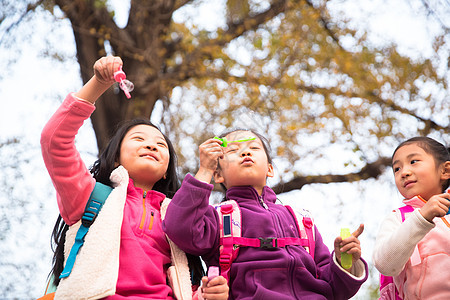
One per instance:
(155,198)
(416,202)
(243,193)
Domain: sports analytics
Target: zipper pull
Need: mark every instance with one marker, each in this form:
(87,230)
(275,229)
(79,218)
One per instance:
(144,195)
(262,203)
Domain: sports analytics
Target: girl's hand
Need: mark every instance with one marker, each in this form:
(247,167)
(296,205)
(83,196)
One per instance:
(103,78)
(217,288)
(436,206)
(210,152)
(105,67)
(351,245)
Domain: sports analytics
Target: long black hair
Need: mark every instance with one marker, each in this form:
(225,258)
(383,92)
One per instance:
(101,171)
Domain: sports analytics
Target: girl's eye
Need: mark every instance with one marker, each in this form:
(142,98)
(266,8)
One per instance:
(254,148)
(231,150)
(414,161)
(162,145)
(138,138)
(396,169)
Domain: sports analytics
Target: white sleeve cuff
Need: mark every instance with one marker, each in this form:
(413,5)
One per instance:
(357,271)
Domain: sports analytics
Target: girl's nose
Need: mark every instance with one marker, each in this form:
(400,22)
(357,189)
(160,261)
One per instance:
(406,172)
(246,153)
(151,147)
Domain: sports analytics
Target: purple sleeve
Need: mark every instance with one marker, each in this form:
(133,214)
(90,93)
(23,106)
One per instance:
(190,222)
(343,284)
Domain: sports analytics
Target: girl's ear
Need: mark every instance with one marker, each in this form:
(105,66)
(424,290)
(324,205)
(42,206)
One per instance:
(218,178)
(270,172)
(446,170)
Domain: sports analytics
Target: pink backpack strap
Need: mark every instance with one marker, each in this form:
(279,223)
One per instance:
(305,240)
(230,235)
(305,228)
(404,210)
(230,229)
(415,256)
(388,290)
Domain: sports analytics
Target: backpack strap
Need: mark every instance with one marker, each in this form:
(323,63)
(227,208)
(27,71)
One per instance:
(305,228)
(388,290)
(230,235)
(230,230)
(178,274)
(415,257)
(405,210)
(93,207)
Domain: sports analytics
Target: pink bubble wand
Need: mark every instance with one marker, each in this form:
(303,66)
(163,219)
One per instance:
(126,85)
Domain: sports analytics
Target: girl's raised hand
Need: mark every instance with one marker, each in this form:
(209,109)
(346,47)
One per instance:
(436,206)
(210,152)
(105,67)
(216,288)
(350,245)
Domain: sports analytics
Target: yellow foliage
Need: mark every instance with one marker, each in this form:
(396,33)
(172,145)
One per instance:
(290,76)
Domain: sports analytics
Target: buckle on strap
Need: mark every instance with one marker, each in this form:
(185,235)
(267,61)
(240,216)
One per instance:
(91,212)
(268,243)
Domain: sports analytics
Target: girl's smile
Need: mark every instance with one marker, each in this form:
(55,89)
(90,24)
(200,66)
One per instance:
(144,153)
(150,155)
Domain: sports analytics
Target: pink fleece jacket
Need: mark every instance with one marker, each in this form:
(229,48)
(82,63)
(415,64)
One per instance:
(144,249)
(415,252)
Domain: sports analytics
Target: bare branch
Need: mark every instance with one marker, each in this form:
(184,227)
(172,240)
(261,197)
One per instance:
(180,3)
(435,14)
(372,170)
(30,8)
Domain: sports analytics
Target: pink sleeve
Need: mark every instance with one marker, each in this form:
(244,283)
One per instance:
(70,176)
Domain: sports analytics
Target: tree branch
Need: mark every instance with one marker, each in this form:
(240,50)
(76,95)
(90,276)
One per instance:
(30,7)
(234,30)
(372,170)
(180,3)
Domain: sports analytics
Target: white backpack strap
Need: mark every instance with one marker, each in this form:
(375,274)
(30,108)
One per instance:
(178,273)
(305,226)
(230,228)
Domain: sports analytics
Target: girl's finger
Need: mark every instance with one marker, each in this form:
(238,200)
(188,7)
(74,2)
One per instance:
(358,231)
(350,246)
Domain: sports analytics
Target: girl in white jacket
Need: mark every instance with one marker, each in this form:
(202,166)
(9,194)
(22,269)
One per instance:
(416,252)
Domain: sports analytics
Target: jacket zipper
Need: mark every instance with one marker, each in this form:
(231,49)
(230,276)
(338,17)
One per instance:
(291,263)
(261,201)
(151,221)
(144,210)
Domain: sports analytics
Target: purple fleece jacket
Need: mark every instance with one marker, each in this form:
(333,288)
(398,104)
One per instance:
(281,273)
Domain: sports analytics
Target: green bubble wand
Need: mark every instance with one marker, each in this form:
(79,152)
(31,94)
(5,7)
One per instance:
(225,142)
(346,258)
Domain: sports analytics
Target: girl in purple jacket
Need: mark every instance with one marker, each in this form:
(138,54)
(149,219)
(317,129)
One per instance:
(132,257)
(288,272)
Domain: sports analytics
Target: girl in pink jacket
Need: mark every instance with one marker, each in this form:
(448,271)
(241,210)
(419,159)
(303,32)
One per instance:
(130,256)
(416,252)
